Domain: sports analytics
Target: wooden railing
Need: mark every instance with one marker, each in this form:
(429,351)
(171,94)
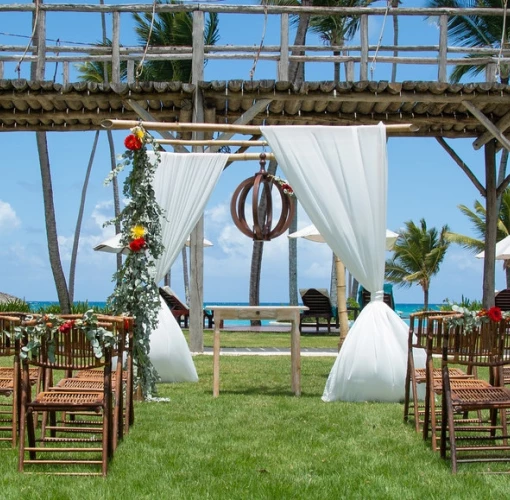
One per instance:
(358,59)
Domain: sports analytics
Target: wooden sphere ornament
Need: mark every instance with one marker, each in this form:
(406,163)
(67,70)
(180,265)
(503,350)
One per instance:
(262,206)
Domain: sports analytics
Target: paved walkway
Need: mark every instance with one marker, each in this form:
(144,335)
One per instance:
(267,351)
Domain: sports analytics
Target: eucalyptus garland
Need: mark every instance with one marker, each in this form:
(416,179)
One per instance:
(136,292)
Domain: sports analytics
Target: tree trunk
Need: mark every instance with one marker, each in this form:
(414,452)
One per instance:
(297,69)
(185,273)
(115,186)
(426,298)
(51,225)
(293,258)
(333,282)
(256,256)
(336,68)
(507,273)
(490,226)
(79,219)
(168,279)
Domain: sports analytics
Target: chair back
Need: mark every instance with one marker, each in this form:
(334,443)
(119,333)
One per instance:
(9,346)
(317,300)
(487,344)
(364,296)
(173,302)
(425,330)
(72,348)
(502,299)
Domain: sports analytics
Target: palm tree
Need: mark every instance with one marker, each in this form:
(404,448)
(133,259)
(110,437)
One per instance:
(171,29)
(475,31)
(336,29)
(477,216)
(417,255)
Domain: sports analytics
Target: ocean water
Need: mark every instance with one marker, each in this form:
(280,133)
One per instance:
(403,310)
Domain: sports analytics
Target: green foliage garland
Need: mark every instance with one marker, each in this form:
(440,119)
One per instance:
(136,292)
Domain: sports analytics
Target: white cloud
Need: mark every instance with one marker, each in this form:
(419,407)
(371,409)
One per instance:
(8,217)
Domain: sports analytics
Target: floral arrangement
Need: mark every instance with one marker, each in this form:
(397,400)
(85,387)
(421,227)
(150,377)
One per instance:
(287,189)
(472,319)
(136,292)
(49,325)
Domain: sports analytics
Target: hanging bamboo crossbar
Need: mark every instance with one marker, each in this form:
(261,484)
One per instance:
(182,142)
(248,156)
(216,127)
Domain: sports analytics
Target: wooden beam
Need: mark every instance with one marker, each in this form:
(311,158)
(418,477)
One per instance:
(487,124)
(212,142)
(456,158)
(221,127)
(502,124)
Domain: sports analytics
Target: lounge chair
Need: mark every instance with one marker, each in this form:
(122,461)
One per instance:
(502,299)
(319,306)
(180,310)
(364,296)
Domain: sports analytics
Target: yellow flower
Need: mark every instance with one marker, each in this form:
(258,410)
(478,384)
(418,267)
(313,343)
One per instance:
(137,232)
(138,132)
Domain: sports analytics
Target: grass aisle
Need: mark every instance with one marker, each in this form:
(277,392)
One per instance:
(257,441)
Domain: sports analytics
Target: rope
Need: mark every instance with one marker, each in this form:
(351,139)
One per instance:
(379,42)
(56,64)
(139,68)
(503,37)
(259,50)
(17,69)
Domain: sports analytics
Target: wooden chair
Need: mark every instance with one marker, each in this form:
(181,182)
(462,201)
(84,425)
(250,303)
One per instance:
(180,310)
(9,380)
(319,307)
(364,296)
(489,346)
(69,351)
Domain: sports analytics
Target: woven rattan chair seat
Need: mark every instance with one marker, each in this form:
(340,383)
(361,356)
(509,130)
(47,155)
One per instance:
(95,374)
(481,396)
(506,374)
(6,372)
(461,383)
(79,384)
(421,374)
(69,398)
(6,384)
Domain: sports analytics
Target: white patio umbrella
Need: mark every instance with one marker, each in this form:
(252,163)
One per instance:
(311,233)
(502,250)
(113,245)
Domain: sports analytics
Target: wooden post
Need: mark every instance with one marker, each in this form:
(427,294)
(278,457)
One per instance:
(489,260)
(116,47)
(443,48)
(363,65)
(343,318)
(196,325)
(283,63)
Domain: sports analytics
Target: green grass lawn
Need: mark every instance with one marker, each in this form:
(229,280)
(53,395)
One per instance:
(258,441)
(268,339)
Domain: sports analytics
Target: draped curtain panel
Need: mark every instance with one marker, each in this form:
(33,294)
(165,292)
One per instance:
(183,184)
(339,175)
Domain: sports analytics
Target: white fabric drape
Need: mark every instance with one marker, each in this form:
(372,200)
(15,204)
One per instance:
(183,183)
(339,175)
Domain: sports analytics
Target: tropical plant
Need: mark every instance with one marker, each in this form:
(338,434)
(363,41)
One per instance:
(97,71)
(475,31)
(417,256)
(337,29)
(478,217)
(171,29)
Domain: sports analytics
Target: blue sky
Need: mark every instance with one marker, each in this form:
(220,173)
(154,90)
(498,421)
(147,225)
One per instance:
(423,183)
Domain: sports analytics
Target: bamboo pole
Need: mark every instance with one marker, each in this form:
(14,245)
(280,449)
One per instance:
(343,317)
(182,142)
(208,127)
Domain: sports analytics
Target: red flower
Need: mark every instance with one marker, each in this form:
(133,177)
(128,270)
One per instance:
(494,314)
(132,142)
(137,244)
(126,324)
(66,327)
(287,189)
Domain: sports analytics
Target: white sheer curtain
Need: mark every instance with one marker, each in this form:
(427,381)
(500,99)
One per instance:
(183,184)
(339,175)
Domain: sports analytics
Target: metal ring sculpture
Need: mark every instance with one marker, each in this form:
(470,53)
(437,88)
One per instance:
(262,206)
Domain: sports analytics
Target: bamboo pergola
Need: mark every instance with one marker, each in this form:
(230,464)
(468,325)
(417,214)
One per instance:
(480,111)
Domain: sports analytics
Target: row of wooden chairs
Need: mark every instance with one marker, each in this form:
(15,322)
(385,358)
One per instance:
(83,401)
(470,423)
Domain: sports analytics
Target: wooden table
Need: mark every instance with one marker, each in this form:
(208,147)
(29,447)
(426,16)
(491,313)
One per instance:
(277,313)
